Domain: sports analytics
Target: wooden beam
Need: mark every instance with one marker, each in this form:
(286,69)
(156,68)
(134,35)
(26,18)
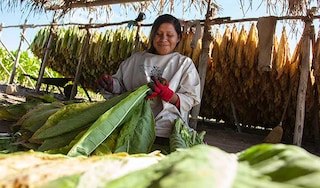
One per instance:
(46,56)
(80,63)
(92,4)
(203,62)
(16,61)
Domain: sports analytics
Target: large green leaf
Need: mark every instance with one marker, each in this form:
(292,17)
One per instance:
(64,113)
(16,111)
(107,123)
(283,163)
(144,134)
(74,116)
(60,140)
(109,144)
(138,133)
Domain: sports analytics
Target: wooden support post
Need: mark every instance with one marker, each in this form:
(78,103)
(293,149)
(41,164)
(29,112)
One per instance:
(80,62)
(137,39)
(17,58)
(235,117)
(203,62)
(25,38)
(46,56)
(315,119)
(303,82)
(315,115)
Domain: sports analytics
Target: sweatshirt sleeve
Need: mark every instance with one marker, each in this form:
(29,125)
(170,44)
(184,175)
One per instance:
(189,89)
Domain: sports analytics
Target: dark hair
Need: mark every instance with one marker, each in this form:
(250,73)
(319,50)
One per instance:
(165,18)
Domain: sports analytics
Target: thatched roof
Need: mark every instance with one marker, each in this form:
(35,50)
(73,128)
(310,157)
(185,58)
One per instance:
(286,7)
(62,7)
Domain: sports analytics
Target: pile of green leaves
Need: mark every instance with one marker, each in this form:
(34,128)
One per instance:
(130,122)
(123,123)
(263,166)
(184,137)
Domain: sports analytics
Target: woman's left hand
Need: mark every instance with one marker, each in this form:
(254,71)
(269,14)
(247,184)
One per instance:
(105,81)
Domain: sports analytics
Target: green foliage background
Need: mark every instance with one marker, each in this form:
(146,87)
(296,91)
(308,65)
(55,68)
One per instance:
(28,64)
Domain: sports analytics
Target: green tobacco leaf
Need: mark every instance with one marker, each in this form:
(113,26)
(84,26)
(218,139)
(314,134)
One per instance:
(184,137)
(107,123)
(64,181)
(199,166)
(65,149)
(283,163)
(5,115)
(138,132)
(15,111)
(30,117)
(144,133)
(49,128)
(109,144)
(176,138)
(78,117)
(60,140)
(41,121)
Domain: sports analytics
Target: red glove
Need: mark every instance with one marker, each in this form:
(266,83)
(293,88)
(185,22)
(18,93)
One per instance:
(105,81)
(160,87)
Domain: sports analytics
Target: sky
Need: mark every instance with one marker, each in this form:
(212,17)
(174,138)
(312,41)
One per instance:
(10,37)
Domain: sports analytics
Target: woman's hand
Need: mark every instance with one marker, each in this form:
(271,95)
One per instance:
(160,87)
(105,82)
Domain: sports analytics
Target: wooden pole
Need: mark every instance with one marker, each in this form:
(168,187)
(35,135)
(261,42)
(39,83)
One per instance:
(80,62)
(137,39)
(46,56)
(17,58)
(315,119)
(315,116)
(303,82)
(235,117)
(25,38)
(207,38)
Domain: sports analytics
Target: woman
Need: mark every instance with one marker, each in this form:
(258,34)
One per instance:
(172,77)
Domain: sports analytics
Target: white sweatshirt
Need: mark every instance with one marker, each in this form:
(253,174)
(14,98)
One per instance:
(181,74)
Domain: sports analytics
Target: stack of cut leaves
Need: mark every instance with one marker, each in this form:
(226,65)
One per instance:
(124,123)
(263,166)
(13,112)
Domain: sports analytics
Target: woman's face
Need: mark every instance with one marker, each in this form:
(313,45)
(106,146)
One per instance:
(165,39)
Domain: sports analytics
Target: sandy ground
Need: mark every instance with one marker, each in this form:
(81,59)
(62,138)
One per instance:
(222,136)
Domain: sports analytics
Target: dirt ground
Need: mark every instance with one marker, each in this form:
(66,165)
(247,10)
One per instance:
(219,135)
